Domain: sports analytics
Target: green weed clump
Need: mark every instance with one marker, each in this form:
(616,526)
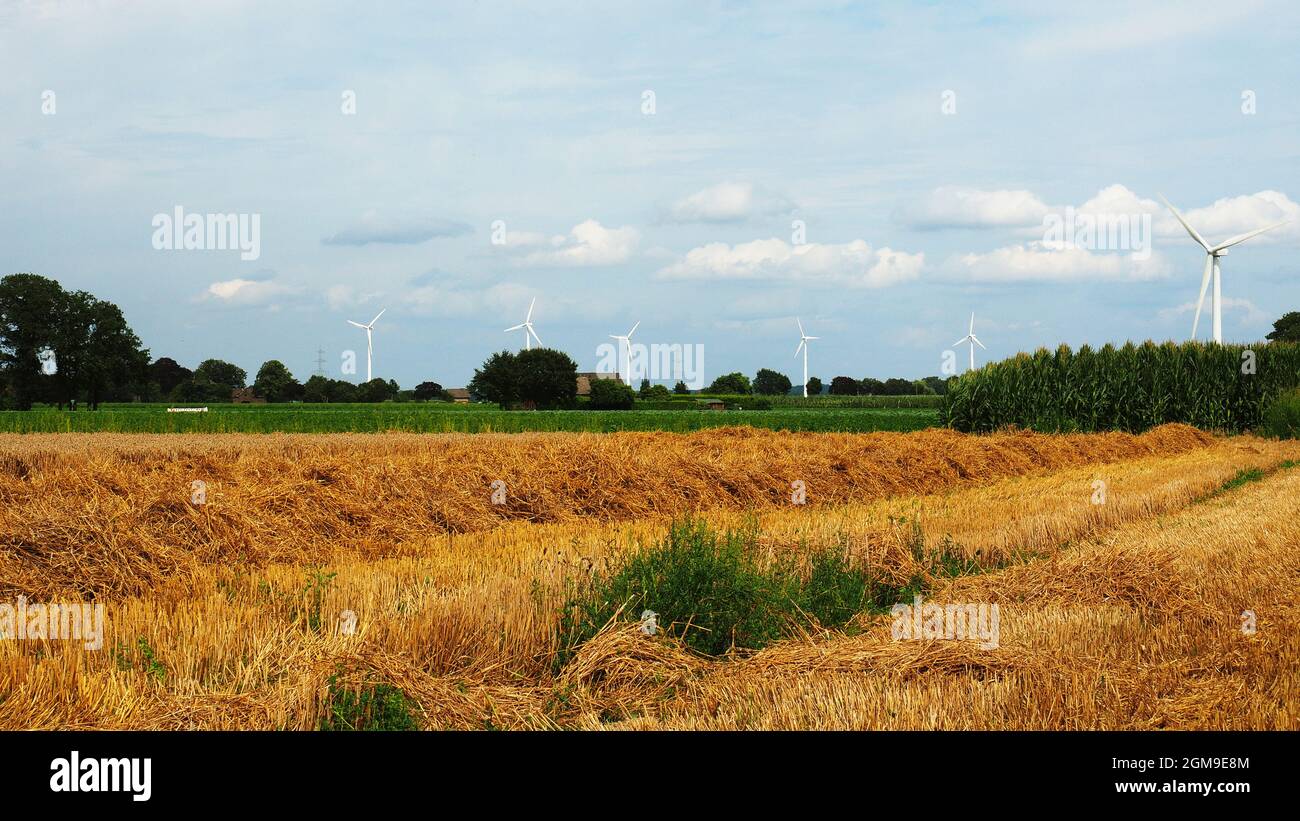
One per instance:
(379,707)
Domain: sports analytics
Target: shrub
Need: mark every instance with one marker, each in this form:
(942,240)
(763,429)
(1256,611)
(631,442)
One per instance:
(607,394)
(1282,416)
(715,593)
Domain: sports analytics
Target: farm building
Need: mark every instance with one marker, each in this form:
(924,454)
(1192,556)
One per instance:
(585,379)
(459,395)
(245,396)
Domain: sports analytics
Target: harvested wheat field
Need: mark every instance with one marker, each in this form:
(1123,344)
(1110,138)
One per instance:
(340,581)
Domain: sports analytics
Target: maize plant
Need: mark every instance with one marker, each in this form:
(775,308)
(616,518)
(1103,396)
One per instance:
(1132,388)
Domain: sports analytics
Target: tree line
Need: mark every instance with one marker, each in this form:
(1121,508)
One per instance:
(62,348)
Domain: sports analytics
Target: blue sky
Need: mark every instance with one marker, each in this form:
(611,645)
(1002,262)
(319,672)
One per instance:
(921,148)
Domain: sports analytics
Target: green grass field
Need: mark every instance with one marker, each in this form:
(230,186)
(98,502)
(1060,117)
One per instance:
(443,418)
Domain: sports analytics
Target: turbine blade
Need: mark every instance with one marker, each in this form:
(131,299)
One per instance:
(812,337)
(358,324)
(1199,239)
(797,319)
(529,318)
(376,319)
(1205,284)
(534,333)
(634,327)
(959,341)
(512,328)
(972,323)
(800,348)
(976,340)
(1246,236)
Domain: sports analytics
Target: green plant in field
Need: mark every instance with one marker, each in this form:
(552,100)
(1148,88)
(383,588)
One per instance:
(716,593)
(125,655)
(380,706)
(318,583)
(1282,416)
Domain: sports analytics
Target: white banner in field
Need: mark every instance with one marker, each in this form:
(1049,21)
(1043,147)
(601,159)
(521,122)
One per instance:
(187,410)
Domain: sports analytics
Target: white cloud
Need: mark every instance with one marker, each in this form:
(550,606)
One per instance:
(588,244)
(375,229)
(1037,262)
(955,207)
(1230,216)
(245,291)
(1250,312)
(728,202)
(853,263)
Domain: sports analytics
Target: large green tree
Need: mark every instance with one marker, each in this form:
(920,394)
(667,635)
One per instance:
(547,378)
(1286,329)
(497,381)
(730,383)
(770,383)
(93,352)
(275,383)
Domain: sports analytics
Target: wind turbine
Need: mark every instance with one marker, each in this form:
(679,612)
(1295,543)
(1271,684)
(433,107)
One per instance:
(627,340)
(370,345)
(803,346)
(1212,254)
(972,340)
(527,325)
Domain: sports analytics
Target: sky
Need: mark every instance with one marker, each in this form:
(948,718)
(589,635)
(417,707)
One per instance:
(716,171)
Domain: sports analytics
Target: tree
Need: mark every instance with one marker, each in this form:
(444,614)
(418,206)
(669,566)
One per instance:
(317,389)
(730,383)
(221,373)
(921,388)
(497,380)
(898,387)
(30,309)
(607,394)
(937,384)
(377,390)
(844,386)
(871,387)
(427,391)
(546,377)
(167,374)
(680,388)
(644,390)
(275,383)
(93,352)
(1286,329)
(770,383)
(814,386)
(657,393)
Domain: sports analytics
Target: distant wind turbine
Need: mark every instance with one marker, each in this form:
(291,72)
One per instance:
(627,341)
(972,340)
(1212,254)
(370,345)
(803,346)
(527,325)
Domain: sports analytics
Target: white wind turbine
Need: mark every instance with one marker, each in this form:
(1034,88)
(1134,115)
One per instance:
(803,346)
(972,340)
(627,341)
(527,325)
(1212,254)
(370,345)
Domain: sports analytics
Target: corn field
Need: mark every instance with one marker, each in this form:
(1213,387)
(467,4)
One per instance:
(1133,388)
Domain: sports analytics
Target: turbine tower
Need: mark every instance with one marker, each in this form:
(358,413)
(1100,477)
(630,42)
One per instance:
(527,325)
(803,346)
(972,340)
(370,345)
(627,341)
(1212,254)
